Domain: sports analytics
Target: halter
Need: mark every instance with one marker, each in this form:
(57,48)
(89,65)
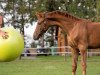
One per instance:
(44,21)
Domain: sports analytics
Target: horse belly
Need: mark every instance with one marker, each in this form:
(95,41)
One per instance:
(94,35)
(94,41)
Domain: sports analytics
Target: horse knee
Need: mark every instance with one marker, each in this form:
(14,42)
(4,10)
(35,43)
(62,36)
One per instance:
(74,67)
(84,66)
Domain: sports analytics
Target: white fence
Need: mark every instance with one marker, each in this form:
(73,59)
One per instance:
(65,52)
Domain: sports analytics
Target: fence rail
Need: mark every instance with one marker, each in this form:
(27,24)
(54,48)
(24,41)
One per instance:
(50,47)
(62,53)
(64,47)
(65,53)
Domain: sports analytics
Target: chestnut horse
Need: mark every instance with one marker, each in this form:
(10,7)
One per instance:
(81,34)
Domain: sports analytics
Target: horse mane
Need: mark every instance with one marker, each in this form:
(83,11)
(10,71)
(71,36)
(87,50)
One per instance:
(64,14)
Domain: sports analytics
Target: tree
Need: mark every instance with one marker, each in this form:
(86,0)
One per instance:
(97,7)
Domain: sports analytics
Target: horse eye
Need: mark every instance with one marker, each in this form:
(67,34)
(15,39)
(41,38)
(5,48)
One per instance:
(39,23)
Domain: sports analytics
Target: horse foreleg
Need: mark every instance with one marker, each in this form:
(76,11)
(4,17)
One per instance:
(74,61)
(83,61)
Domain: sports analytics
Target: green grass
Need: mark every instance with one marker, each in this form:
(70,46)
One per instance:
(50,65)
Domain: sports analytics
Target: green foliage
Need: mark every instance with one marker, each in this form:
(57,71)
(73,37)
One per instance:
(8,6)
(81,8)
(97,16)
(22,8)
(51,5)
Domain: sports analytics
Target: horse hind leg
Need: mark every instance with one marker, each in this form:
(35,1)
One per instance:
(75,55)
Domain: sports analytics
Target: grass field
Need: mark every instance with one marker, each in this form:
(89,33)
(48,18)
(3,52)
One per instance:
(50,65)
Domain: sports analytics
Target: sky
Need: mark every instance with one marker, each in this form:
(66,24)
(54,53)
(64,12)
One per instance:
(30,29)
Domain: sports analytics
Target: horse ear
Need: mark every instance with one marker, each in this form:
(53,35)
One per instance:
(39,15)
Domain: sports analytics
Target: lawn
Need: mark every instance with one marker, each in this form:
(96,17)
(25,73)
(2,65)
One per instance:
(47,65)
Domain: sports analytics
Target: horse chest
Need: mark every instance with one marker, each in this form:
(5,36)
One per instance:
(72,41)
(78,35)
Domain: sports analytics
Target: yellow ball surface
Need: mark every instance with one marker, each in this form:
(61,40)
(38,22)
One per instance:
(12,47)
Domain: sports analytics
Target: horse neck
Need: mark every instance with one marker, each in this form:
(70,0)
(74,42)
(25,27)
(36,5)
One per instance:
(64,23)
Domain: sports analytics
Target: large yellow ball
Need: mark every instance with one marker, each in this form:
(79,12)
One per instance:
(13,46)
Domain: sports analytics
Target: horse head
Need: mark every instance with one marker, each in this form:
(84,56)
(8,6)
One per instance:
(41,27)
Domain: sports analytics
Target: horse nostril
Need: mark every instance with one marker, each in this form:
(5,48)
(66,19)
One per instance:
(34,37)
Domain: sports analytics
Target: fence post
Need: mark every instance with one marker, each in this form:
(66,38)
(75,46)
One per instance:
(65,55)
